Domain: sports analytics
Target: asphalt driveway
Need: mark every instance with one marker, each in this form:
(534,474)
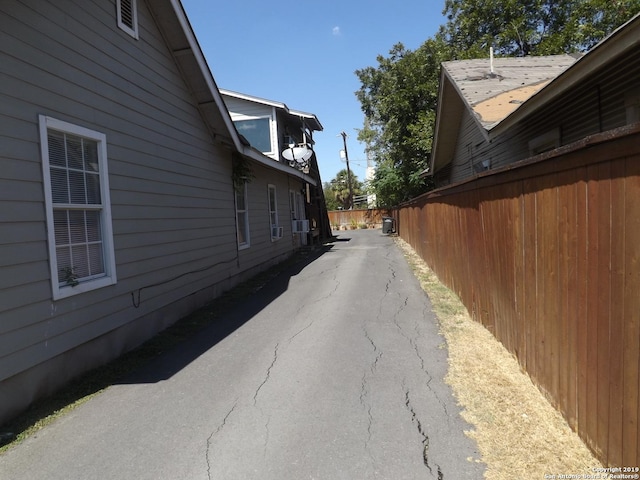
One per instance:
(333,370)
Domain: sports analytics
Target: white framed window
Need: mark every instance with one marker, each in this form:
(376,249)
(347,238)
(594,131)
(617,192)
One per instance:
(276,229)
(127,13)
(78,209)
(292,205)
(257,131)
(242,217)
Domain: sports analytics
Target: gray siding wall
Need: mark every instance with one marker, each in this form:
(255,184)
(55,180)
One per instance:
(262,247)
(468,148)
(171,195)
(597,105)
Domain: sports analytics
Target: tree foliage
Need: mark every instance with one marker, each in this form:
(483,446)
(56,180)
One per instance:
(336,191)
(399,96)
(531,27)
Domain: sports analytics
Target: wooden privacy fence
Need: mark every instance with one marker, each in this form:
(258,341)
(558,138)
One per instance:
(546,254)
(347,218)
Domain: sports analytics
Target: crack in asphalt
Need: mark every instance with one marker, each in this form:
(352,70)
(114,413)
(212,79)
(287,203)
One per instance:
(266,438)
(378,353)
(367,406)
(307,305)
(300,331)
(255,400)
(364,392)
(423,434)
(421,431)
(267,376)
(397,323)
(390,281)
(213,434)
(412,341)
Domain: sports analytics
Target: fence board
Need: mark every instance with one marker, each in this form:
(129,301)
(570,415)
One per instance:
(631,337)
(582,291)
(593,292)
(547,287)
(529,284)
(616,315)
(519,274)
(567,225)
(603,259)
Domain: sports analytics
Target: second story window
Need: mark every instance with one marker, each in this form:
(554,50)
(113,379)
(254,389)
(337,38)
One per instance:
(257,132)
(128,16)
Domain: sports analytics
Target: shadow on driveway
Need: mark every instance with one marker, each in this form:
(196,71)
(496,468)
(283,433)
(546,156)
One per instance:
(177,346)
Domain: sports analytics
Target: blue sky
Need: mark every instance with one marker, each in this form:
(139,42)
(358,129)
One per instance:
(304,54)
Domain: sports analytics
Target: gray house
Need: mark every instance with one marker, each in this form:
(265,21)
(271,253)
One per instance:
(118,212)
(492,113)
(286,135)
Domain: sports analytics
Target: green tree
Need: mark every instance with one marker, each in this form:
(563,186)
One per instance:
(531,27)
(330,197)
(398,98)
(337,190)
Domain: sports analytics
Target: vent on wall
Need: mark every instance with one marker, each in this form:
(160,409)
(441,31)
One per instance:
(128,16)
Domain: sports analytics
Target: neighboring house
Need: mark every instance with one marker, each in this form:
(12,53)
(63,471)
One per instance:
(118,212)
(493,113)
(286,136)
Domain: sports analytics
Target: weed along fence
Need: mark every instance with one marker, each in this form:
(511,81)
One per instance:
(346,219)
(546,254)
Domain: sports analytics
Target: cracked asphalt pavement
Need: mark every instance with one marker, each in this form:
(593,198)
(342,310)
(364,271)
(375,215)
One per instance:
(333,370)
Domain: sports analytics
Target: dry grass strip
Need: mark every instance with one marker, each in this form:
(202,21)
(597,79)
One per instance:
(519,434)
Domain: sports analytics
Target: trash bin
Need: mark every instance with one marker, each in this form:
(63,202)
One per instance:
(387,225)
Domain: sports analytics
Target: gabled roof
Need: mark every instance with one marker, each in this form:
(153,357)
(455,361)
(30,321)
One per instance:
(180,38)
(494,92)
(489,96)
(518,87)
(309,118)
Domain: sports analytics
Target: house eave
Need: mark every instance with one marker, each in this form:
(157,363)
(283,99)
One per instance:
(310,119)
(443,151)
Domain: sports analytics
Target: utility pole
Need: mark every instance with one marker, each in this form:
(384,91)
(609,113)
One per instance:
(346,157)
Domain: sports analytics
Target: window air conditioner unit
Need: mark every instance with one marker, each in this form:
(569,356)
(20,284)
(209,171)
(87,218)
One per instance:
(300,226)
(276,232)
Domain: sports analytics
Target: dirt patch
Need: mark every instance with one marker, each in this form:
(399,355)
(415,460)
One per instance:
(519,434)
